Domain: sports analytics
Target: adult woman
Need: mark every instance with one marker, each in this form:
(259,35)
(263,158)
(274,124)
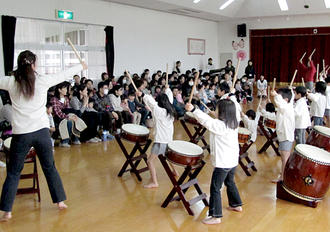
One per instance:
(28,93)
(61,107)
(115,98)
(262,86)
(79,102)
(251,74)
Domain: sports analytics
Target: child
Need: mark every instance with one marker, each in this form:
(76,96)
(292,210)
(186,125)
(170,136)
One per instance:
(301,113)
(163,114)
(211,92)
(319,102)
(224,155)
(250,123)
(132,107)
(327,110)
(285,124)
(262,86)
(51,121)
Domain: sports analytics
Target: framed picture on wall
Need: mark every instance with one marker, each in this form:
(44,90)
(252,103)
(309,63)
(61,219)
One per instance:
(196,46)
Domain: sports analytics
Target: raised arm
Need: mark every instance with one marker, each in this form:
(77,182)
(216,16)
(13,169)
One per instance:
(57,78)
(169,94)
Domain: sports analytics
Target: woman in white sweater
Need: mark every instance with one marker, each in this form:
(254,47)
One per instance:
(163,113)
(262,86)
(28,93)
(224,155)
(115,99)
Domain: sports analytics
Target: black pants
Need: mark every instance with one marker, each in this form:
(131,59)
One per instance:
(220,176)
(20,146)
(91,120)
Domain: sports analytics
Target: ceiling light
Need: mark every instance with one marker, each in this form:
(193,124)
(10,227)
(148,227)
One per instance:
(283,5)
(226,4)
(327,3)
(197,1)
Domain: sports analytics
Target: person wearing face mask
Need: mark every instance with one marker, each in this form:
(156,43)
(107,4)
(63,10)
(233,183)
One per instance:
(61,108)
(105,110)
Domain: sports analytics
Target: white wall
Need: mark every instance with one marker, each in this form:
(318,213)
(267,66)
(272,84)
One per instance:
(143,38)
(228,30)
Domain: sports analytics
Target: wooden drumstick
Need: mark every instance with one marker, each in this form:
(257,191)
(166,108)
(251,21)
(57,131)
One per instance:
(166,74)
(303,56)
(294,76)
(274,83)
(310,57)
(205,106)
(303,81)
(129,76)
(193,88)
(74,50)
(268,89)
(235,76)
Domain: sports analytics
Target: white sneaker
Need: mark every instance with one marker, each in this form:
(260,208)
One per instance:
(118,131)
(92,140)
(98,139)
(2,164)
(65,145)
(77,142)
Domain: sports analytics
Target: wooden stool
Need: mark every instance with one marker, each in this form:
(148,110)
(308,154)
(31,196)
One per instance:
(190,171)
(271,137)
(140,136)
(198,135)
(243,154)
(31,158)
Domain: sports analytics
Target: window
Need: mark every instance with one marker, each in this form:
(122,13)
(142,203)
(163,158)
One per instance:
(47,39)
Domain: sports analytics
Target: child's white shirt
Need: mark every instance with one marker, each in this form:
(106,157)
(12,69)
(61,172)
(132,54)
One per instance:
(318,105)
(302,119)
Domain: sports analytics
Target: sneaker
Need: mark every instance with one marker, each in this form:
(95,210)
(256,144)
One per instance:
(98,139)
(110,137)
(2,164)
(65,145)
(77,142)
(92,140)
(118,131)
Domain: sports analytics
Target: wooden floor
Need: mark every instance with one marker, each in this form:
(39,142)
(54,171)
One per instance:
(100,201)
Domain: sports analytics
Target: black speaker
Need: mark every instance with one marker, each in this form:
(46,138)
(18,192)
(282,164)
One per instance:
(241,30)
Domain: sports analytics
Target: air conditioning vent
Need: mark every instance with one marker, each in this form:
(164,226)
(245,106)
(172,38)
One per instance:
(184,11)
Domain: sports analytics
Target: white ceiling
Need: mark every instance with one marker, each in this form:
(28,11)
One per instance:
(239,9)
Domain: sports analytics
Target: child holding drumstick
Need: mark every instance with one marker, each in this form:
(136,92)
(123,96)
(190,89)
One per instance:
(225,152)
(163,114)
(285,124)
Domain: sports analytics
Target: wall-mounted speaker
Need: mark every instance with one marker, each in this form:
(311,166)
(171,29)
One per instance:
(241,30)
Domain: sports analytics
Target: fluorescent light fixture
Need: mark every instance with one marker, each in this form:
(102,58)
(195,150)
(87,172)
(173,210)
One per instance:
(226,4)
(283,5)
(327,3)
(197,1)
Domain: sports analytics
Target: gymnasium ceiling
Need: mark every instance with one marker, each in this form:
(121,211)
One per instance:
(239,9)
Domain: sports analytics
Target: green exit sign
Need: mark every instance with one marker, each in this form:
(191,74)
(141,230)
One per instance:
(63,14)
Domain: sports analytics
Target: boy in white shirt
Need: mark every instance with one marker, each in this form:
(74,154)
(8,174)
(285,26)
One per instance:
(285,124)
(327,109)
(249,120)
(319,102)
(302,119)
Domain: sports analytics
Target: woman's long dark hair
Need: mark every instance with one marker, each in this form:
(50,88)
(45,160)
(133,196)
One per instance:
(25,75)
(227,113)
(165,103)
(76,92)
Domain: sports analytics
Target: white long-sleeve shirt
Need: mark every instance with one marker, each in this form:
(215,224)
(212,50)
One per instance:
(29,115)
(164,128)
(116,103)
(223,141)
(328,97)
(301,113)
(285,123)
(262,87)
(252,126)
(318,105)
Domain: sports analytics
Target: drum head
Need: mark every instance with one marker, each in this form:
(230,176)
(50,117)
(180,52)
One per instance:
(135,129)
(244,131)
(185,148)
(323,130)
(7,143)
(189,114)
(314,153)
